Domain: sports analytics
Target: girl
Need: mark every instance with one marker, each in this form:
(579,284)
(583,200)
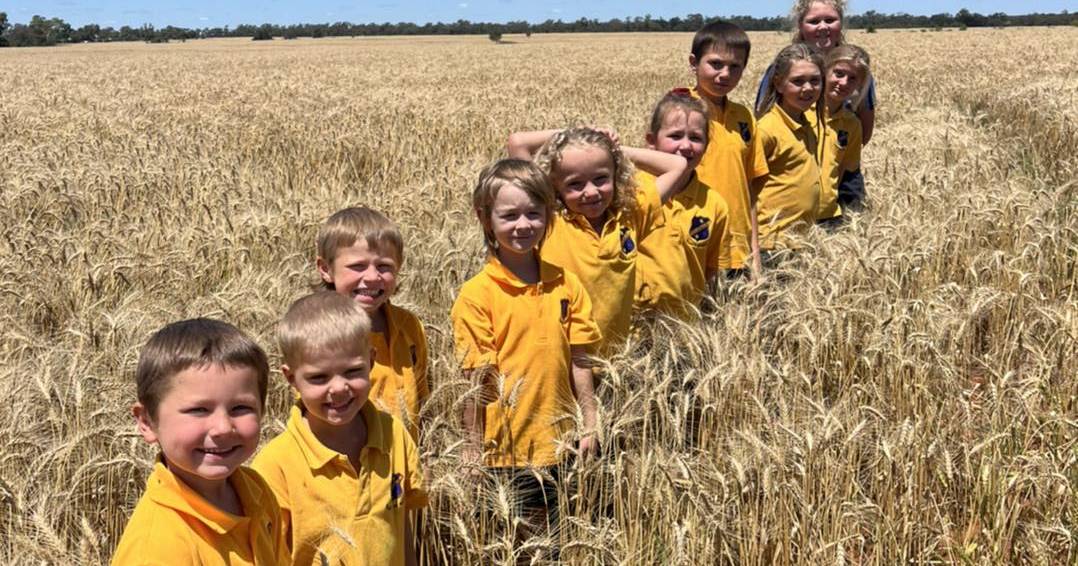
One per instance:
(530,323)
(681,258)
(819,24)
(602,213)
(787,197)
(847,69)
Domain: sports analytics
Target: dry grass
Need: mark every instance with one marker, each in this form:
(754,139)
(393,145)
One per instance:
(905,393)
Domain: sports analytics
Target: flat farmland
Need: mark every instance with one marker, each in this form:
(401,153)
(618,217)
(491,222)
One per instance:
(903,391)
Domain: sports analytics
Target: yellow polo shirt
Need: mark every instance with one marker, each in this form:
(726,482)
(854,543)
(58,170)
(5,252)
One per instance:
(733,158)
(692,245)
(788,197)
(172,524)
(524,331)
(336,513)
(399,383)
(606,262)
(839,153)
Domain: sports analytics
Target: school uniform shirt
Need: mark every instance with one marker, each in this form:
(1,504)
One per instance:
(867,103)
(606,262)
(788,198)
(839,156)
(676,259)
(734,157)
(399,383)
(523,332)
(338,514)
(174,525)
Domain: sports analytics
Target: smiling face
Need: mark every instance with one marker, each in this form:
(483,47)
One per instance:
(717,72)
(333,384)
(821,26)
(365,273)
(843,79)
(517,221)
(682,132)
(584,180)
(801,87)
(207,423)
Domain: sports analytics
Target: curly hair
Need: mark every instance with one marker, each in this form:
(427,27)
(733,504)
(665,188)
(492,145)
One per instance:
(550,155)
(801,7)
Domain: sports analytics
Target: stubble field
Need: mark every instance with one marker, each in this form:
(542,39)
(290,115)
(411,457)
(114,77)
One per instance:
(906,391)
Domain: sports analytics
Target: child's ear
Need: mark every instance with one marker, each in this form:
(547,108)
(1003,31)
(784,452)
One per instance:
(144,423)
(650,139)
(325,270)
(693,62)
(288,375)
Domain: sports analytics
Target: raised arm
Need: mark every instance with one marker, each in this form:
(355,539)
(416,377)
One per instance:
(524,145)
(670,169)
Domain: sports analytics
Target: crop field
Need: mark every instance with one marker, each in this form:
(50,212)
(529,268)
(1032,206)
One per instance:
(903,391)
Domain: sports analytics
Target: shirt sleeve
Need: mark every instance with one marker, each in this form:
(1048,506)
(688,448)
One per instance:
(422,376)
(582,327)
(649,210)
(719,255)
(473,333)
(756,154)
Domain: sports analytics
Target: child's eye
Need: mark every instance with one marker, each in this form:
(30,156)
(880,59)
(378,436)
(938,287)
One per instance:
(574,186)
(242,410)
(196,411)
(356,372)
(385,268)
(598,181)
(536,215)
(316,379)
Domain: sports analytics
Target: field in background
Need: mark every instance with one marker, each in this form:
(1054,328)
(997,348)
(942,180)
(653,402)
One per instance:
(904,392)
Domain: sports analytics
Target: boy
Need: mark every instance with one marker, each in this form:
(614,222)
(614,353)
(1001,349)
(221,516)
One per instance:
(360,253)
(734,155)
(343,471)
(201,391)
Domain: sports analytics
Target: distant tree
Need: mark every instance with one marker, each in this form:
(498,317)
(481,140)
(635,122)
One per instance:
(263,33)
(495,36)
(3,29)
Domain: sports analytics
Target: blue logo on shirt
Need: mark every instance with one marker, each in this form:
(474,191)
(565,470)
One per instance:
(396,490)
(627,243)
(843,138)
(746,134)
(699,230)
(564,310)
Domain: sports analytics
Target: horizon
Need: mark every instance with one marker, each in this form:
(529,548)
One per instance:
(203,14)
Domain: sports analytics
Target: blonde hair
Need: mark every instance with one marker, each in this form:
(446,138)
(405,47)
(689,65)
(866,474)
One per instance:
(801,7)
(856,56)
(677,99)
(198,342)
(784,61)
(320,322)
(550,155)
(520,173)
(346,226)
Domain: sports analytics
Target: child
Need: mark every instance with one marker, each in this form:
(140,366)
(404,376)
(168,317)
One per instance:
(344,472)
(786,199)
(845,67)
(527,324)
(360,253)
(734,158)
(680,258)
(201,392)
(602,214)
(819,24)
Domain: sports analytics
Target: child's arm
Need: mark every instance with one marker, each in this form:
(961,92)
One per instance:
(756,269)
(472,419)
(868,122)
(524,145)
(584,389)
(670,169)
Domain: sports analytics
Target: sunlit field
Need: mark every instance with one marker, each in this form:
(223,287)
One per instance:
(902,391)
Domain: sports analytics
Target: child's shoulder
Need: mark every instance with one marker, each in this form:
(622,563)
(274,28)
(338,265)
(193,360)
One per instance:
(157,531)
(387,431)
(739,112)
(404,319)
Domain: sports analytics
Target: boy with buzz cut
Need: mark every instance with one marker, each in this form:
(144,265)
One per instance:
(734,156)
(360,253)
(345,473)
(201,392)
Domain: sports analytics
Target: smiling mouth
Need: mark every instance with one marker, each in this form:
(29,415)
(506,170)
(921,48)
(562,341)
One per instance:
(371,293)
(339,407)
(219,452)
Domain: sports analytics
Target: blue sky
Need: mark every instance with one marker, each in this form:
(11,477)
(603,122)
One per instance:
(206,13)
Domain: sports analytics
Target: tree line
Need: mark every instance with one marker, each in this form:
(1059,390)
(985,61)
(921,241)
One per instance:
(51,31)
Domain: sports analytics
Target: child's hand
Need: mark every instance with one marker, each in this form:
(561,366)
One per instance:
(588,448)
(608,132)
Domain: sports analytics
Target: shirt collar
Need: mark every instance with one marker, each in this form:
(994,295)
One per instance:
(494,269)
(165,489)
(317,454)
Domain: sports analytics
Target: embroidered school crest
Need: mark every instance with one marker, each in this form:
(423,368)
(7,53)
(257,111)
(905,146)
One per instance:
(565,310)
(396,491)
(699,229)
(746,134)
(843,138)
(627,243)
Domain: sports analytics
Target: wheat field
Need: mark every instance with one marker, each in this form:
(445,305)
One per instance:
(903,391)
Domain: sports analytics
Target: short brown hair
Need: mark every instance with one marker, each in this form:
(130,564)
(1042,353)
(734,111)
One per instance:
(520,173)
(717,35)
(322,321)
(677,100)
(346,226)
(196,342)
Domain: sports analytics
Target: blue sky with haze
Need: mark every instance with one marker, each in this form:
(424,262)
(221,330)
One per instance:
(204,13)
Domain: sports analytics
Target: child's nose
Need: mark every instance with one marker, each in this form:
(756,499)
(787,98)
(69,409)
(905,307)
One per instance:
(221,424)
